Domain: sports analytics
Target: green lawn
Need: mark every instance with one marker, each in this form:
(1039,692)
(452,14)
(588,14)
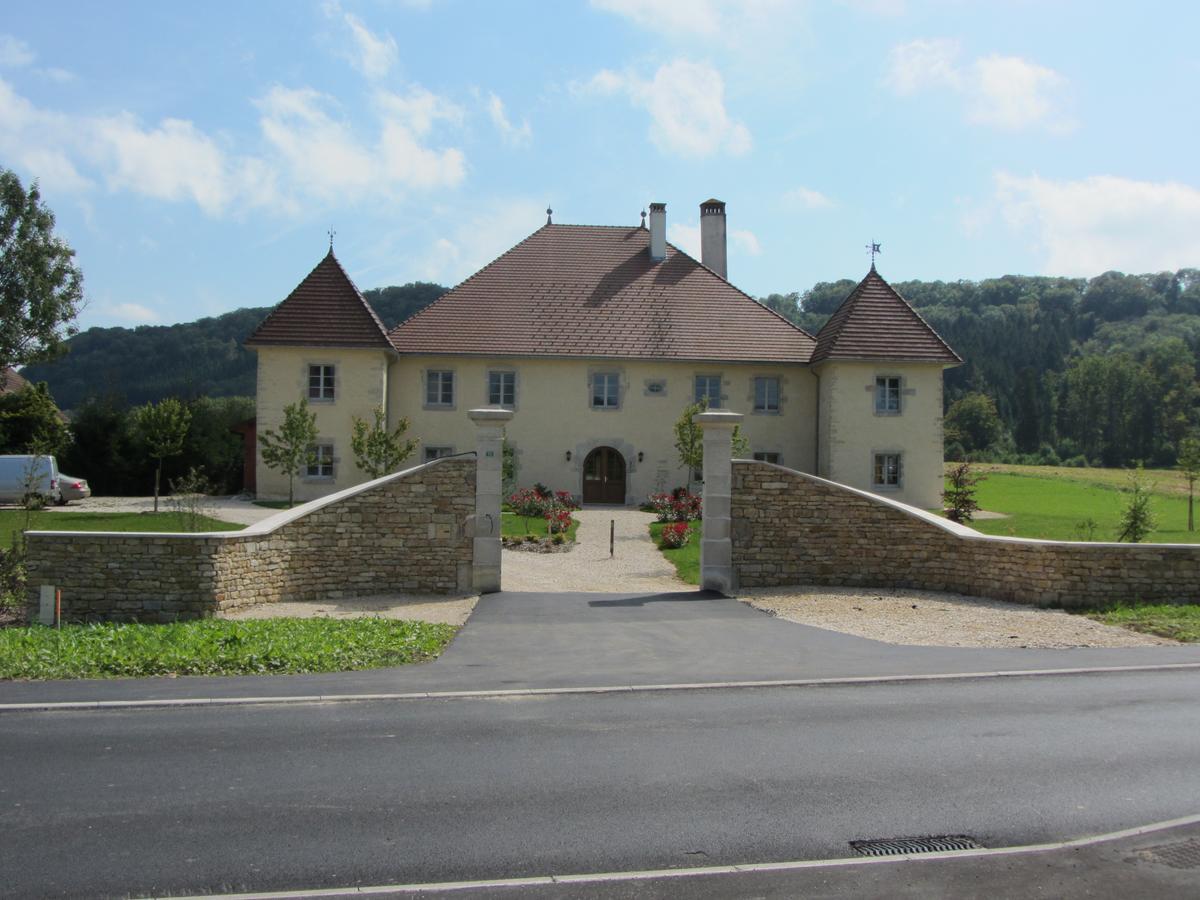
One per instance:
(12,521)
(686,559)
(1179,622)
(217,647)
(275,504)
(514,526)
(1051,505)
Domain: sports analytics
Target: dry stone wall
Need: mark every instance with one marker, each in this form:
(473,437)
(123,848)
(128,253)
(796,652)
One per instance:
(405,533)
(792,528)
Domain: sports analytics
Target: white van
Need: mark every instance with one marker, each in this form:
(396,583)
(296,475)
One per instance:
(21,475)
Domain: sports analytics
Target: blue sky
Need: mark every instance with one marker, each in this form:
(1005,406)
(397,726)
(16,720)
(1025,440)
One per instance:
(195,160)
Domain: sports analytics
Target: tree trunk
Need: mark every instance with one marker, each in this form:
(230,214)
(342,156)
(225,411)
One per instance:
(157,478)
(291,491)
(1191,520)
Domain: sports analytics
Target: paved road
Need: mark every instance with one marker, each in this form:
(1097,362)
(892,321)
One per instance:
(288,797)
(529,640)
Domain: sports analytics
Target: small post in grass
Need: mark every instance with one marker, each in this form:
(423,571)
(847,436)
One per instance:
(612,538)
(58,608)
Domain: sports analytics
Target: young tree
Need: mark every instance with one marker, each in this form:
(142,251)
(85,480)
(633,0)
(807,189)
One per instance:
(1189,464)
(1137,519)
(41,289)
(162,428)
(291,448)
(959,498)
(377,450)
(689,440)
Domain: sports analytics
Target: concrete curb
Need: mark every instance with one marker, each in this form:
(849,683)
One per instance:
(79,705)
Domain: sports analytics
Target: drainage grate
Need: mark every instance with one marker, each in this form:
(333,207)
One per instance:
(1180,855)
(904,846)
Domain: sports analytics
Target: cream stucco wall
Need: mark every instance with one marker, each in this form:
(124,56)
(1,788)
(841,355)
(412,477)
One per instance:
(851,432)
(553,414)
(361,380)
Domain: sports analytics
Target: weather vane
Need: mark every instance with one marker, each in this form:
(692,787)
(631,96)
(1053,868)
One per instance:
(331,234)
(549,213)
(874,249)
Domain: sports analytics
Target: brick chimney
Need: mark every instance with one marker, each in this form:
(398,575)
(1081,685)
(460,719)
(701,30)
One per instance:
(658,231)
(712,237)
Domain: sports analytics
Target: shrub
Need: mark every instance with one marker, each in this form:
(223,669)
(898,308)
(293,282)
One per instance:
(558,520)
(675,535)
(959,498)
(677,506)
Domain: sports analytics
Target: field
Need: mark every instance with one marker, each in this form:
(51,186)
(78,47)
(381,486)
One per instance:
(1055,502)
(12,522)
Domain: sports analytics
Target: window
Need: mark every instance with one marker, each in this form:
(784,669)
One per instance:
(708,387)
(432,453)
(887,470)
(766,457)
(887,395)
(439,388)
(502,388)
(321,463)
(766,395)
(656,388)
(606,390)
(320,382)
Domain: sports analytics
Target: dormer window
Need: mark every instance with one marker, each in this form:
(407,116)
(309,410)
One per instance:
(321,383)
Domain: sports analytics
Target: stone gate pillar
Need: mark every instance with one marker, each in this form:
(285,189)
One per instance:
(716,548)
(489,462)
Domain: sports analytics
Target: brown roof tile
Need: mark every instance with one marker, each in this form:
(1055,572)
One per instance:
(875,322)
(325,309)
(12,381)
(593,291)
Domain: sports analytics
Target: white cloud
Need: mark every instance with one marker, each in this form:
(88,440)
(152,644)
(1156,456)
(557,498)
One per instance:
(806,198)
(15,52)
(307,151)
(1094,224)
(513,135)
(686,103)
(1005,92)
(727,21)
(130,312)
(57,75)
(373,55)
(686,236)
(474,240)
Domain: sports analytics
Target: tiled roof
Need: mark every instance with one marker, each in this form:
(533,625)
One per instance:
(11,381)
(326,310)
(875,322)
(593,291)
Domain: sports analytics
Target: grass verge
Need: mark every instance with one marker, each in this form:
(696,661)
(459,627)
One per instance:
(685,559)
(1165,620)
(217,647)
(12,522)
(1054,507)
(512,525)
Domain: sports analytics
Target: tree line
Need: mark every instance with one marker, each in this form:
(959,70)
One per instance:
(1099,371)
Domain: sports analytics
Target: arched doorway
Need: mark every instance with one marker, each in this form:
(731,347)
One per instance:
(604,476)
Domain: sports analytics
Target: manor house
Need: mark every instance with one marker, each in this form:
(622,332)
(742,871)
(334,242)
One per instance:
(597,337)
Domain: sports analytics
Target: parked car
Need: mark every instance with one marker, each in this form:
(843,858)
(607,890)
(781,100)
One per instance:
(22,475)
(72,488)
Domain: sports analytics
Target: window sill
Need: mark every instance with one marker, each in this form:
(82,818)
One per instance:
(766,412)
(440,407)
(322,400)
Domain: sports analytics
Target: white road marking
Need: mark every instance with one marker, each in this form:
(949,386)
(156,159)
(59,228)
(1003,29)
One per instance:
(650,874)
(75,705)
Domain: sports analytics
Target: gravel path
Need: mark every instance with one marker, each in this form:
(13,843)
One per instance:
(637,566)
(237,509)
(932,619)
(450,610)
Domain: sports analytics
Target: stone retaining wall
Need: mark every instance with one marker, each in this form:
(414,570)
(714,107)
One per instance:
(404,533)
(792,528)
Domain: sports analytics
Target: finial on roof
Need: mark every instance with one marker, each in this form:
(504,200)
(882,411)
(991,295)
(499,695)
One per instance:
(874,248)
(643,218)
(331,233)
(549,213)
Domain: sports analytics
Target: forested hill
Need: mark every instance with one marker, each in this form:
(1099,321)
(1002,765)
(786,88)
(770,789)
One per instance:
(1103,369)
(192,359)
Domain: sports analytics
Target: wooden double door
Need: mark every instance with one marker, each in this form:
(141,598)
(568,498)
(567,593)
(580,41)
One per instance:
(604,476)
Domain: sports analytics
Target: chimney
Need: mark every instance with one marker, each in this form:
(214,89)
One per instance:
(658,231)
(712,237)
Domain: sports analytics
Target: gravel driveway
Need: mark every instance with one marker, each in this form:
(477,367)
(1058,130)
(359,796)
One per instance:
(237,509)
(636,567)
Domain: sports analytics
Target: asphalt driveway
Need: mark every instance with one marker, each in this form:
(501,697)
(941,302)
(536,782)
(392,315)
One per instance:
(538,641)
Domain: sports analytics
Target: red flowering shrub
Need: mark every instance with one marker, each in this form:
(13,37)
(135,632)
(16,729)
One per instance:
(675,535)
(558,520)
(678,506)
